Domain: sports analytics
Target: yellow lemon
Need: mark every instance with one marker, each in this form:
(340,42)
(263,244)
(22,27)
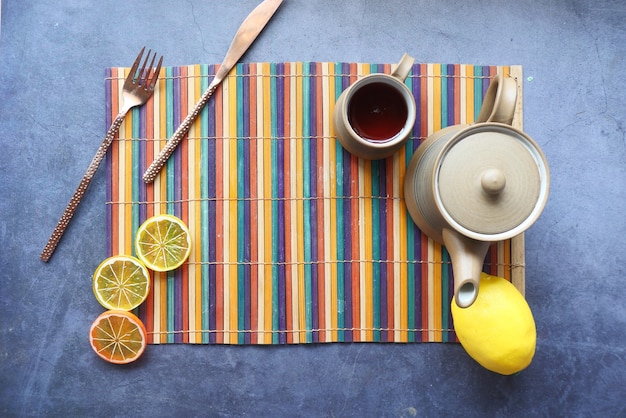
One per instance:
(163,242)
(121,282)
(498,329)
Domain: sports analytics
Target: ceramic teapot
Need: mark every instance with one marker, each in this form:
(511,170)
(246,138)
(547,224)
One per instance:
(468,186)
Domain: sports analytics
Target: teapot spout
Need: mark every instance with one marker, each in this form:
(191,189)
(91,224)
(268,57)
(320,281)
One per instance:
(468,256)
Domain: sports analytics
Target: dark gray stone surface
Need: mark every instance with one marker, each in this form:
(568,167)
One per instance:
(52,60)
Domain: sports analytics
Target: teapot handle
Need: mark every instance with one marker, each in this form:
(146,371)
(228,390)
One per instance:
(500,100)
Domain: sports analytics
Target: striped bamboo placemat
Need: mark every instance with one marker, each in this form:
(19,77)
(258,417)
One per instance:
(294,239)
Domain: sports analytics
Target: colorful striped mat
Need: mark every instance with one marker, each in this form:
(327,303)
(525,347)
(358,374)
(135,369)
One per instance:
(295,240)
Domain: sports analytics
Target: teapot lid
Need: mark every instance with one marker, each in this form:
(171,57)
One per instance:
(491,182)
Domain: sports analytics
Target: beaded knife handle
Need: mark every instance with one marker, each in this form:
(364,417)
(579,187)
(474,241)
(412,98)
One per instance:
(153,171)
(246,34)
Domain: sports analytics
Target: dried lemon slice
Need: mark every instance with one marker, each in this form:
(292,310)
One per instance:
(118,337)
(121,282)
(163,242)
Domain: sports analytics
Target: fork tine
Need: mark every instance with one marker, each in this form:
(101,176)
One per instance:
(146,77)
(133,69)
(155,74)
(141,74)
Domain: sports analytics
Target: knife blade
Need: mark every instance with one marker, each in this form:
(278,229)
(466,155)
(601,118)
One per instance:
(245,36)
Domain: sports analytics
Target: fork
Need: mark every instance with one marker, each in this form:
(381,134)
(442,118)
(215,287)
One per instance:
(138,88)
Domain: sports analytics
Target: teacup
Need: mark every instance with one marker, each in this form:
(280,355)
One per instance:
(375,115)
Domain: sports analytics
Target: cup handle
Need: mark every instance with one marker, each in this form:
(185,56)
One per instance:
(500,101)
(401,69)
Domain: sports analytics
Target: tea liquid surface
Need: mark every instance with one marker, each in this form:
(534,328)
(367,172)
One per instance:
(377,112)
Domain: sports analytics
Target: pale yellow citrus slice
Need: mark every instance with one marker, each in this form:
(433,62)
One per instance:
(163,242)
(121,282)
(118,337)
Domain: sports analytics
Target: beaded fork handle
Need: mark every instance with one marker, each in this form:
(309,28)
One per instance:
(81,189)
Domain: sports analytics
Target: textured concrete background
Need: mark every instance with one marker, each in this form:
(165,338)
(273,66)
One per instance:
(52,60)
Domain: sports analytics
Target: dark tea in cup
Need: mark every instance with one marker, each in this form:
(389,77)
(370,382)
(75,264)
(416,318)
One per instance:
(377,111)
(374,116)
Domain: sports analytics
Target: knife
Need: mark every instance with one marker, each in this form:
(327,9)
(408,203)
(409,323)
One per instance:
(247,33)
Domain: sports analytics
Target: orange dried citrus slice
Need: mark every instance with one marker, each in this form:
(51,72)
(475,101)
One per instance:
(163,242)
(118,337)
(121,282)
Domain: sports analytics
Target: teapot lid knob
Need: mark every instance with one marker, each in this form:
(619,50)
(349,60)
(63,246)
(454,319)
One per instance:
(493,181)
